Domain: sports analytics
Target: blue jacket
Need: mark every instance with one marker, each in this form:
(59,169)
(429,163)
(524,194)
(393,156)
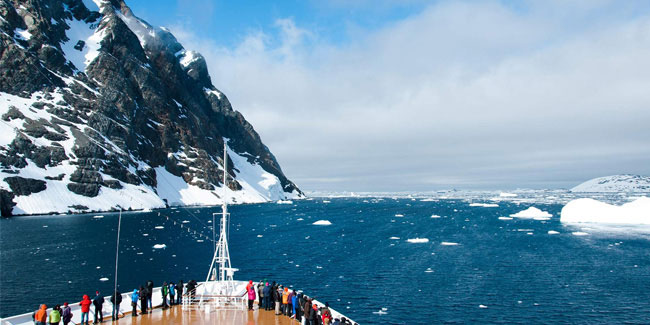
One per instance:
(134,296)
(267,291)
(172,287)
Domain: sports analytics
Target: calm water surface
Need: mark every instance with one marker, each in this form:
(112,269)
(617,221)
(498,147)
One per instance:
(501,271)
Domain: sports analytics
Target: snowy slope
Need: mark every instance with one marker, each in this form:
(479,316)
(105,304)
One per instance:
(615,183)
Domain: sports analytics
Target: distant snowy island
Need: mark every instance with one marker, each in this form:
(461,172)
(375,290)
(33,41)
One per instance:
(615,183)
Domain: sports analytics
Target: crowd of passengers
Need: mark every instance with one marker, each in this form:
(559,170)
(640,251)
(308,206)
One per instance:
(290,303)
(271,297)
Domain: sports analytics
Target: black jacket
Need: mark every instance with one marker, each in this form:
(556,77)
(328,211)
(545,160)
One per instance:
(119,298)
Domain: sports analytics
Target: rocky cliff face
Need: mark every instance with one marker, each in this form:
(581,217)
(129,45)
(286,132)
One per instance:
(100,110)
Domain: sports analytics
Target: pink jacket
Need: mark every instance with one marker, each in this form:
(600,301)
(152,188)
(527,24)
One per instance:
(251,293)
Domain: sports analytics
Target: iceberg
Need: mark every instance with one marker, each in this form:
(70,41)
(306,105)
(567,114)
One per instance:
(532,213)
(636,212)
(322,223)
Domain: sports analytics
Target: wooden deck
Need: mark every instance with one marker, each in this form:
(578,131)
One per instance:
(175,315)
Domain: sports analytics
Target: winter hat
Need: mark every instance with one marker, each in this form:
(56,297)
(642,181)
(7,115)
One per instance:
(65,303)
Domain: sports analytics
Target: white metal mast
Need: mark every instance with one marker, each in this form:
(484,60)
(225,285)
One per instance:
(221,257)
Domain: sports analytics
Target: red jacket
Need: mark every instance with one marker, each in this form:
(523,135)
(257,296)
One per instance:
(85,304)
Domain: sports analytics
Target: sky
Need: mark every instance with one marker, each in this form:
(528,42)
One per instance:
(411,95)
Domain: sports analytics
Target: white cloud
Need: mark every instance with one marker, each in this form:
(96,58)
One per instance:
(463,93)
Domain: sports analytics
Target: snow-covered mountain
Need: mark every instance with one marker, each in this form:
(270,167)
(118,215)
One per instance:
(615,183)
(101,110)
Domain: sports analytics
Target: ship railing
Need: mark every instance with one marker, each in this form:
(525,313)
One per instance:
(193,300)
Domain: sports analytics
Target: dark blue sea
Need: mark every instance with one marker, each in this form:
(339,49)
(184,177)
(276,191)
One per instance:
(500,271)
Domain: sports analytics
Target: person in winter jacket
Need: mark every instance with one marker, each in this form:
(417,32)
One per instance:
(40,316)
(285,301)
(251,297)
(134,302)
(294,305)
(179,292)
(85,309)
(55,315)
(67,313)
(149,294)
(315,320)
(326,314)
(144,297)
(290,302)
(260,295)
(116,300)
(98,302)
(267,297)
(307,310)
(172,291)
(249,285)
(277,297)
(164,291)
(191,289)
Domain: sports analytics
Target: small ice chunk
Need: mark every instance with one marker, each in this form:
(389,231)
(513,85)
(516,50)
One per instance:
(185,221)
(98,217)
(159,246)
(394,238)
(484,205)
(482,306)
(284,202)
(103,279)
(300,219)
(322,223)
(380,312)
(260,236)
(503,194)
(435,216)
(160,227)
(505,218)
(553,232)
(428,270)
(399,215)
(145,235)
(447,243)
(579,233)
(418,240)
(326,201)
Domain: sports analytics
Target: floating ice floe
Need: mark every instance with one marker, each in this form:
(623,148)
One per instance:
(322,223)
(532,213)
(593,211)
(300,219)
(103,279)
(97,217)
(145,235)
(185,221)
(504,194)
(284,202)
(199,240)
(260,236)
(484,205)
(482,306)
(505,218)
(552,232)
(579,233)
(159,246)
(448,243)
(428,270)
(399,215)
(429,200)
(326,201)
(394,238)
(417,240)
(380,312)
(435,216)
(160,227)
